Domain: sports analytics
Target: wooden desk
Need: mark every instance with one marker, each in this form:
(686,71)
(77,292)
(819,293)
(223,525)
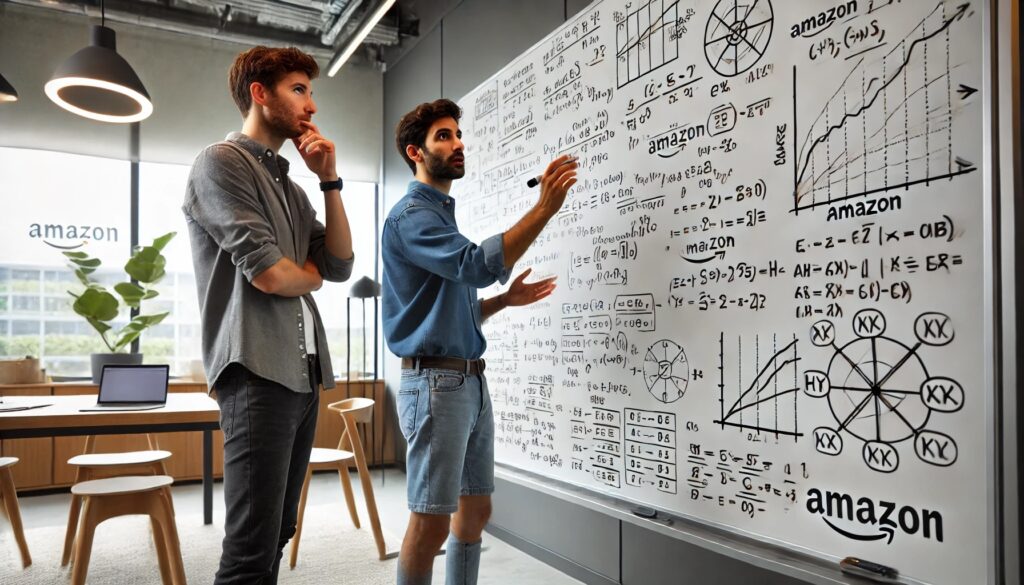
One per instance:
(187,411)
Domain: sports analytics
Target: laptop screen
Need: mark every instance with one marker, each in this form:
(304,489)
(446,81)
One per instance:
(134,384)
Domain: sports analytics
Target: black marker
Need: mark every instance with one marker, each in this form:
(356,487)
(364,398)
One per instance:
(536,180)
(645,512)
(869,570)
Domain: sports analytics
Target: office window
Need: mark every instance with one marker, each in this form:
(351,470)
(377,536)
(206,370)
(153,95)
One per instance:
(359,200)
(52,202)
(175,341)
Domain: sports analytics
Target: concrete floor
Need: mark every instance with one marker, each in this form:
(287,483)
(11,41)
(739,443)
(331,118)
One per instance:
(498,563)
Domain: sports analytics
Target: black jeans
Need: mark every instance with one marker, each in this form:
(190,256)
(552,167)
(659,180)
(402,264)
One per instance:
(268,435)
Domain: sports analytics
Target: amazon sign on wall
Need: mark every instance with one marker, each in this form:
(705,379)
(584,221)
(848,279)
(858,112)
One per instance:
(55,201)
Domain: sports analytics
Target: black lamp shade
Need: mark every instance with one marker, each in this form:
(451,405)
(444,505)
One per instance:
(365,288)
(98,83)
(7,91)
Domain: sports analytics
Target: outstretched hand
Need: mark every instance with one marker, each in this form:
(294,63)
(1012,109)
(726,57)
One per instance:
(520,293)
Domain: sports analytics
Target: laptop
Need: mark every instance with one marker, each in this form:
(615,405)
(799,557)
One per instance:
(132,388)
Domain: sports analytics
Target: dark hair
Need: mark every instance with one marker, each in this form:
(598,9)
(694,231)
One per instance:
(413,127)
(266,65)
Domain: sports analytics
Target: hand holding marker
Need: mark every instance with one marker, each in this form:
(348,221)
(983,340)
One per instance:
(536,180)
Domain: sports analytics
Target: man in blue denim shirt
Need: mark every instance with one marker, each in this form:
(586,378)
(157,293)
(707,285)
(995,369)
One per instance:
(432,321)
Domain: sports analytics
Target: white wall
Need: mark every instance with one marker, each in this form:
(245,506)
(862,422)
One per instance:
(186,77)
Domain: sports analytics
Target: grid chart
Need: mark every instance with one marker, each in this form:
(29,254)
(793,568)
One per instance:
(646,40)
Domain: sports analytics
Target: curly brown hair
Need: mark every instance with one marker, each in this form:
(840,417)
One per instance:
(413,127)
(267,65)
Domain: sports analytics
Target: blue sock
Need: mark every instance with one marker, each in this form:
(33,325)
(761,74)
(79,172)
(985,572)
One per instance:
(462,563)
(405,578)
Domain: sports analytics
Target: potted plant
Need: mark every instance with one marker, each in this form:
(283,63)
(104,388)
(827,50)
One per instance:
(100,307)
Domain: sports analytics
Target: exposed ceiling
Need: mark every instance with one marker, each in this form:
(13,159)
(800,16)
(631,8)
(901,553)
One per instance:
(319,27)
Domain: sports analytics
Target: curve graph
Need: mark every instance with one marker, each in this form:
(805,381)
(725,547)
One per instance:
(889,125)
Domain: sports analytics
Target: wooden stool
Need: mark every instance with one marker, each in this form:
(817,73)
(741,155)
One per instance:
(10,498)
(104,499)
(101,465)
(353,411)
(325,459)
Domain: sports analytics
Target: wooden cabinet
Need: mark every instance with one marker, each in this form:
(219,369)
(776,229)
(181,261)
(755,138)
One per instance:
(35,466)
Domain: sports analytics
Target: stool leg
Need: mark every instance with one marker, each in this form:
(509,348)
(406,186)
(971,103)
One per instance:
(81,474)
(83,542)
(302,512)
(165,511)
(161,550)
(69,533)
(364,478)
(350,499)
(10,496)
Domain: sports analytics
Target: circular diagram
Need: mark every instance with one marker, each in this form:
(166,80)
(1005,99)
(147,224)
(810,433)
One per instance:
(737,35)
(880,392)
(666,371)
(871,397)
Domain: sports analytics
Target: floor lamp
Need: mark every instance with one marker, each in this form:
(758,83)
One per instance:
(365,288)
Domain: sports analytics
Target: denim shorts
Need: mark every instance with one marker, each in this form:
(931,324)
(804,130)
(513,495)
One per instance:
(446,417)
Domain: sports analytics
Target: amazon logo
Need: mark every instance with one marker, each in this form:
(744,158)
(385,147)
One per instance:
(71,236)
(866,519)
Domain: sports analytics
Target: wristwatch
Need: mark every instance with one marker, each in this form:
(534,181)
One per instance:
(329,185)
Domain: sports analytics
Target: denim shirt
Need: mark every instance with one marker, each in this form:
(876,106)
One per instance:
(431,276)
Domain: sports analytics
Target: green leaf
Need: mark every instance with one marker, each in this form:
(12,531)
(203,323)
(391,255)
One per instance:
(82,276)
(146,265)
(151,293)
(87,262)
(96,304)
(102,328)
(162,241)
(76,255)
(135,327)
(131,293)
(150,320)
(98,325)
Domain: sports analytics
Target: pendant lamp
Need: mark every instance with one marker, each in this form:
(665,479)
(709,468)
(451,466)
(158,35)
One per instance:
(99,84)
(7,91)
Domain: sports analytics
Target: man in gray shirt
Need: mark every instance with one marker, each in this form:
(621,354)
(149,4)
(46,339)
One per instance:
(258,253)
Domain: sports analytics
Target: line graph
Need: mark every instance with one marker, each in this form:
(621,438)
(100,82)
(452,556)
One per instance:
(645,40)
(765,403)
(889,125)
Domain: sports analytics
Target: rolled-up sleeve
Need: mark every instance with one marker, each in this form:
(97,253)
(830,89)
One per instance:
(331,267)
(436,245)
(221,199)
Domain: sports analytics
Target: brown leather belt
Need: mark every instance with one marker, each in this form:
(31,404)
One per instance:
(471,367)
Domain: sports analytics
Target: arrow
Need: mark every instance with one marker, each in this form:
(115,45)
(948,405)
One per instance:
(961,11)
(965,91)
(708,259)
(963,164)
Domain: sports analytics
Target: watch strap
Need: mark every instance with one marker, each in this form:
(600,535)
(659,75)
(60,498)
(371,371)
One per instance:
(329,185)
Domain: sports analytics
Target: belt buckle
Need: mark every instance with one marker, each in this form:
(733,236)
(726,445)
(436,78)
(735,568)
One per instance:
(469,367)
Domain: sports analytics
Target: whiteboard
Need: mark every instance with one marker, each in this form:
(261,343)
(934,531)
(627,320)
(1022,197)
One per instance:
(771,309)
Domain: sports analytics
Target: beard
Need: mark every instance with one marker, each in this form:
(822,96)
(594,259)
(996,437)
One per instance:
(441,168)
(281,121)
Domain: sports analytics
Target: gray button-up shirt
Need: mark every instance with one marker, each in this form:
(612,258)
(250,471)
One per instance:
(239,226)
